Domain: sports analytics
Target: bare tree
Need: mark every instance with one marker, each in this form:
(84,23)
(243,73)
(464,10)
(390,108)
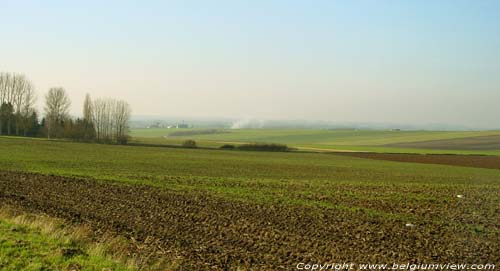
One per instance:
(15,89)
(121,117)
(57,104)
(110,119)
(102,118)
(26,111)
(4,82)
(5,101)
(6,87)
(22,88)
(87,108)
(99,108)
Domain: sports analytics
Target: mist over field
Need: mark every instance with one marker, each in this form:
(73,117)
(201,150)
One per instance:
(143,121)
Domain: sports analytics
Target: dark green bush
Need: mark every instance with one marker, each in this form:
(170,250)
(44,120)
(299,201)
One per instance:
(227,147)
(189,144)
(263,147)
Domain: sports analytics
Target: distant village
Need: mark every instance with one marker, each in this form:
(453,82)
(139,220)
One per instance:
(157,125)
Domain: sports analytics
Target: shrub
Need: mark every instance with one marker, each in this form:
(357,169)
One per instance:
(227,147)
(263,147)
(122,139)
(189,144)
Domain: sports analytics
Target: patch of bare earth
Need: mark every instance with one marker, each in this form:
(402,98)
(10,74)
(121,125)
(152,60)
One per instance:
(491,142)
(207,232)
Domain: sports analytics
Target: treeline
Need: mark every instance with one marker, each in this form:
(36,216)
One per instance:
(109,118)
(103,120)
(17,106)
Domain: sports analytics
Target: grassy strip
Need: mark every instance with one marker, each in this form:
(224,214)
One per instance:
(37,242)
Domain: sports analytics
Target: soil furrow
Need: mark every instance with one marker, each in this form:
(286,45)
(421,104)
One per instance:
(211,232)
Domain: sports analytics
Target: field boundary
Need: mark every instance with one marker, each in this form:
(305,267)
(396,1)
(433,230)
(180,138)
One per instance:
(460,160)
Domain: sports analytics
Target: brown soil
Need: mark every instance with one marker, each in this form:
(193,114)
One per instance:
(491,142)
(217,234)
(479,161)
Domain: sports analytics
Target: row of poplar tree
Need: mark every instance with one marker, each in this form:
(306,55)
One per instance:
(104,119)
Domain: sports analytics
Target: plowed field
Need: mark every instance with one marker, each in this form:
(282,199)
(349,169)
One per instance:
(491,142)
(207,232)
(478,161)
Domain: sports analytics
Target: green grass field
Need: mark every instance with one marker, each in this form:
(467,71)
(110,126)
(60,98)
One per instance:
(296,178)
(401,192)
(321,140)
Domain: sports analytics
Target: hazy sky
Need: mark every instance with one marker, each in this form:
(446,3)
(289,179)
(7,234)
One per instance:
(371,61)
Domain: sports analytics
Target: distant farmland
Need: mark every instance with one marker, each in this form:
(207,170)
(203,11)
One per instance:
(195,132)
(473,142)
